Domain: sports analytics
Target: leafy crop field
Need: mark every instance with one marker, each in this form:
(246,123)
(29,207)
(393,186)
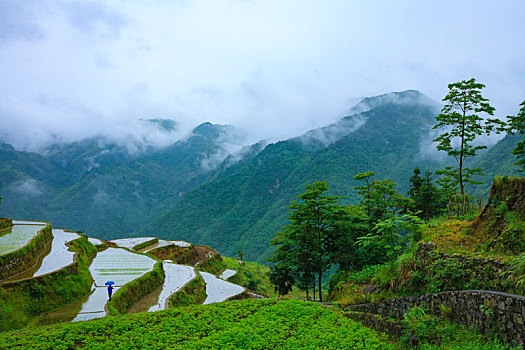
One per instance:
(247,324)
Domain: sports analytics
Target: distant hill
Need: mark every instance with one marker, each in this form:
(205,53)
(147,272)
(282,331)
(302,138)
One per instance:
(99,187)
(241,208)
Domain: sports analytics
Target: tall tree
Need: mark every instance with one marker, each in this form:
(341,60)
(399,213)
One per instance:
(461,124)
(305,245)
(517,125)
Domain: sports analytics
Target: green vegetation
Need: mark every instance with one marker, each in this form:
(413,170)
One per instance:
(24,300)
(517,125)
(5,223)
(25,257)
(131,292)
(253,276)
(193,293)
(304,246)
(212,265)
(247,324)
(179,255)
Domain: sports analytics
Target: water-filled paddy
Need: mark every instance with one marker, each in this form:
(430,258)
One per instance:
(176,277)
(120,266)
(17,237)
(218,290)
(94,241)
(227,274)
(60,256)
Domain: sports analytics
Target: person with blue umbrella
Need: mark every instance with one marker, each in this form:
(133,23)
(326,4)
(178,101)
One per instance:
(110,288)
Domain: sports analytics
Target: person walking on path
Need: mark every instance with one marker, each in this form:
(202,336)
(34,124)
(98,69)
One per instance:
(110,291)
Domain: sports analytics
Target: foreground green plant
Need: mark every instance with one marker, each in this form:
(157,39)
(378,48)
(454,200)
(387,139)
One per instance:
(248,324)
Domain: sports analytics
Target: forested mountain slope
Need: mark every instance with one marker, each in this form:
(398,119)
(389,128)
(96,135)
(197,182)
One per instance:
(82,184)
(241,209)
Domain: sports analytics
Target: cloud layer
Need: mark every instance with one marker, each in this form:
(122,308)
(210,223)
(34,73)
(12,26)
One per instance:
(73,69)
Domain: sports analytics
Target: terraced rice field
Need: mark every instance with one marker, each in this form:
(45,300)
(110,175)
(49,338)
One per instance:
(113,264)
(218,290)
(120,266)
(94,241)
(60,256)
(16,237)
(176,277)
(131,242)
(227,274)
(163,243)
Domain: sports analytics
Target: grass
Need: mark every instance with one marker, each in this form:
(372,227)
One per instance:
(253,276)
(247,324)
(5,223)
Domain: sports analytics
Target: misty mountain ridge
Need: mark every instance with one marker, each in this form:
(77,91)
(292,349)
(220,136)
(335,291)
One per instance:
(211,188)
(242,206)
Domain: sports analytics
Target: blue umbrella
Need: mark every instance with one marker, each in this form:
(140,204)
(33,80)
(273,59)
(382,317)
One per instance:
(109,283)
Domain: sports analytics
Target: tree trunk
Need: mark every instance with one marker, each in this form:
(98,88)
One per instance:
(461,160)
(307,297)
(320,278)
(314,290)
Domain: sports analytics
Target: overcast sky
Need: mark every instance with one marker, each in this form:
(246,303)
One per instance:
(275,68)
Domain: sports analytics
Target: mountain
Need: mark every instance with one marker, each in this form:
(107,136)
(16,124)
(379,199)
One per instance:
(210,189)
(241,207)
(93,181)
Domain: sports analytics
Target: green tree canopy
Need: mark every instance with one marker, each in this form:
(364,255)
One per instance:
(517,125)
(379,198)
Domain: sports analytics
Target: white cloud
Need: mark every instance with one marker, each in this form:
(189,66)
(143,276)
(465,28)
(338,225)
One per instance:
(72,69)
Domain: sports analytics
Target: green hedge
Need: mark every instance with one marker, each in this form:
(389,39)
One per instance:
(131,292)
(5,223)
(146,244)
(24,300)
(194,292)
(22,259)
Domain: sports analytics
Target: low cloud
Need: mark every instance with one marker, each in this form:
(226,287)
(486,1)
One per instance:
(28,188)
(76,69)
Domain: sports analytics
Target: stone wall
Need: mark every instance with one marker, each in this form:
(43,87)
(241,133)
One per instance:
(485,310)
